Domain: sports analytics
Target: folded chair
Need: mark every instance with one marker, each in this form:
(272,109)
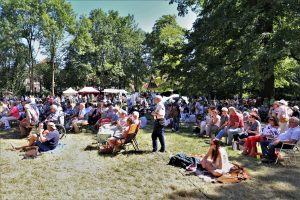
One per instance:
(289,155)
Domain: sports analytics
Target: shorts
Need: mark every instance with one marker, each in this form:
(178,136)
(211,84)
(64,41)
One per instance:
(42,146)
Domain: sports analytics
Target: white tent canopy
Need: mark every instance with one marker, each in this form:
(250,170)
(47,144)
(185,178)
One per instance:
(88,90)
(70,92)
(115,91)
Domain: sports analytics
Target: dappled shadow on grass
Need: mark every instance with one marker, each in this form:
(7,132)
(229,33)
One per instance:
(275,183)
(10,134)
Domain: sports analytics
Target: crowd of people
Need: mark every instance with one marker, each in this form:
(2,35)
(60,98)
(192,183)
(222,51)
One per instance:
(242,123)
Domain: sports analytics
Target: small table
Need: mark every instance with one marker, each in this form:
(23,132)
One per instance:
(106,131)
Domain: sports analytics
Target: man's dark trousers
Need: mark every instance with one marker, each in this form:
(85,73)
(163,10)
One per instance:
(158,132)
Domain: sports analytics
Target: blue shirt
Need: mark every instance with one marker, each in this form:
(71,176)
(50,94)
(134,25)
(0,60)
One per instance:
(290,134)
(52,139)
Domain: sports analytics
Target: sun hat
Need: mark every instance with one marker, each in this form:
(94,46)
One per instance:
(51,125)
(295,108)
(283,102)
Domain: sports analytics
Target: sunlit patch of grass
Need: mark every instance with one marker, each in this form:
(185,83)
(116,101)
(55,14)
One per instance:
(78,174)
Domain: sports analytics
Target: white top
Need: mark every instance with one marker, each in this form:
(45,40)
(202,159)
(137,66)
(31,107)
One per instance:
(290,134)
(282,112)
(270,131)
(218,120)
(225,161)
(160,109)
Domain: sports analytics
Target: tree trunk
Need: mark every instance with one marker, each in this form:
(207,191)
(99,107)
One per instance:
(31,66)
(268,82)
(53,75)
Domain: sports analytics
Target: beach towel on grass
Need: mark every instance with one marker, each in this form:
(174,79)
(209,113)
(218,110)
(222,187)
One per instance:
(235,175)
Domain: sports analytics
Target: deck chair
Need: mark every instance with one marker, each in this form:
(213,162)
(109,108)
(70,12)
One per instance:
(289,155)
(129,140)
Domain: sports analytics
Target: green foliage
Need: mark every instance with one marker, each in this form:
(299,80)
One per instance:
(235,45)
(164,45)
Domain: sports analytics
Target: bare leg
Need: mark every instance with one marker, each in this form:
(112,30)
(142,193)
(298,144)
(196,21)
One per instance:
(31,142)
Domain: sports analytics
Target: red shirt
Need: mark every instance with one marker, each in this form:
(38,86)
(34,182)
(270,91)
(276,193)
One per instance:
(236,119)
(15,112)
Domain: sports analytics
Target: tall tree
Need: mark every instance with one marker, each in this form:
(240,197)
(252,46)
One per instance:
(241,40)
(164,45)
(24,16)
(58,21)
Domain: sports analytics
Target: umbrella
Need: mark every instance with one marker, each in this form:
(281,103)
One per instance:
(70,92)
(88,90)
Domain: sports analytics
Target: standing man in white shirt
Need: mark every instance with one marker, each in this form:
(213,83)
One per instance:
(159,121)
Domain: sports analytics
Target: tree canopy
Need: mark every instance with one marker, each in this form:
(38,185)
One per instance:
(238,47)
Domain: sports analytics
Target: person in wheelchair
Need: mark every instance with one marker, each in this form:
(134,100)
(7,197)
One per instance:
(46,141)
(54,114)
(287,139)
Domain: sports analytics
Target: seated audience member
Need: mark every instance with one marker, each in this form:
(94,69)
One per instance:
(216,160)
(291,136)
(46,141)
(54,114)
(80,119)
(296,112)
(117,140)
(96,114)
(224,120)
(144,121)
(29,121)
(271,131)
(235,126)
(13,114)
(122,121)
(253,129)
(255,110)
(205,121)
(135,116)
(214,123)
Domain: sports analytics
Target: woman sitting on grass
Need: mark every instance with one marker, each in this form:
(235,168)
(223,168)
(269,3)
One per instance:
(117,140)
(270,131)
(216,160)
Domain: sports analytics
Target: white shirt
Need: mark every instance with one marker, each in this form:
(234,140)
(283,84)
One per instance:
(270,131)
(160,109)
(290,134)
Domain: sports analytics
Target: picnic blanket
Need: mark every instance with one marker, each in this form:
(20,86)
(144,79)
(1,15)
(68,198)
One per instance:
(58,149)
(235,175)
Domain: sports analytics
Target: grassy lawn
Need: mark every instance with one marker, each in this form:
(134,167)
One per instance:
(78,174)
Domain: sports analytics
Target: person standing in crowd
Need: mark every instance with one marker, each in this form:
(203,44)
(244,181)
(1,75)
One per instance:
(283,116)
(175,114)
(159,121)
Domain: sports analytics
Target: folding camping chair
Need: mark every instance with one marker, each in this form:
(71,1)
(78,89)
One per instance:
(289,155)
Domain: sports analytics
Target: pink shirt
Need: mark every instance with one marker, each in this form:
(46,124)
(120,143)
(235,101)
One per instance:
(15,112)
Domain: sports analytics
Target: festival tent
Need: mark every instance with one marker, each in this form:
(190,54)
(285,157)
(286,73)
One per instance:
(115,91)
(88,90)
(70,92)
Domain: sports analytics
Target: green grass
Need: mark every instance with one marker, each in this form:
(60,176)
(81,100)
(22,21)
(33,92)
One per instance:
(78,174)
